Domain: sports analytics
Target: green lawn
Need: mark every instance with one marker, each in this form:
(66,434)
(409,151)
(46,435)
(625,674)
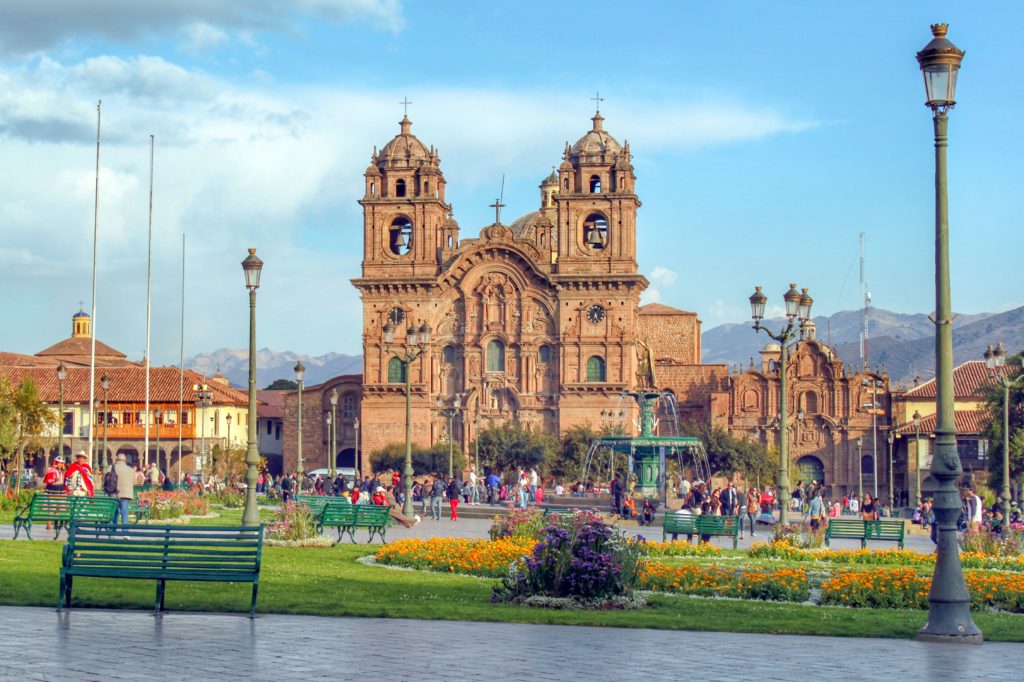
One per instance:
(329,582)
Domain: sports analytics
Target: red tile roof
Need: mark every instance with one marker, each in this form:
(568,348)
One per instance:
(967,379)
(965,421)
(127,384)
(78,347)
(271,404)
(661,309)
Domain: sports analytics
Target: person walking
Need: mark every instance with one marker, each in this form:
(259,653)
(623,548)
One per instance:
(474,492)
(454,494)
(615,488)
(437,489)
(730,500)
(753,509)
(815,510)
(78,477)
(125,487)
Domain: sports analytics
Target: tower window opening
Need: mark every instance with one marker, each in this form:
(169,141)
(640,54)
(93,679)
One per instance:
(400,188)
(400,236)
(565,184)
(451,241)
(595,231)
(595,184)
(426,188)
(373,189)
(396,371)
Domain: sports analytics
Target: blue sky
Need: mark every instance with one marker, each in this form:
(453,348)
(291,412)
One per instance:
(766,137)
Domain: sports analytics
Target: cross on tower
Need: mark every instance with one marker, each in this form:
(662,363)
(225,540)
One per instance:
(405,105)
(497,206)
(598,99)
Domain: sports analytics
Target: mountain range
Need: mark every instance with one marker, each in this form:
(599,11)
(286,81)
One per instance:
(272,365)
(904,343)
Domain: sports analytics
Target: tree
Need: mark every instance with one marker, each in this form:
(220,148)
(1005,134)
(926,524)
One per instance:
(23,420)
(432,460)
(729,454)
(991,395)
(512,445)
(282,385)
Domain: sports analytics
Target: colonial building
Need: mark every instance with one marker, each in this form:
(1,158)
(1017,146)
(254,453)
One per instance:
(120,408)
(838,419)
(914,444)
(318,414)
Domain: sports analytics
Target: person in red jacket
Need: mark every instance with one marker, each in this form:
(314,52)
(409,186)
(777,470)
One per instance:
(54,477)
(79,476)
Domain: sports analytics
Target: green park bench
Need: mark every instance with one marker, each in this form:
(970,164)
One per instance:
(136,509)
(678,524)
(891,531)
(61,510)
(856,529)
(228,554)
(560,511)
(317,503)
(348,517)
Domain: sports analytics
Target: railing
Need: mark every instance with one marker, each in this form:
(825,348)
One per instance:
(138,431)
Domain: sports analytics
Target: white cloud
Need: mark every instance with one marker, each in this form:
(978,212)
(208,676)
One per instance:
(28,27)
(268,165)
(660,278)
(202,37)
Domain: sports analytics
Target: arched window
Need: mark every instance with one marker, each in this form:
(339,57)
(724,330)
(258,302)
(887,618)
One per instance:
(596,369)
(565,183)
(595,231)
(400,188)
(495,356)
(400,236)
(349,406)
(866,465)
(448,355)
(595,184)
(451,241)
(426,188)
(810,402)
(373,189)
(751,400)
(544,354)
(396,371)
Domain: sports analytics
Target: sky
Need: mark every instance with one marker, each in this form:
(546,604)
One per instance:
(766,138)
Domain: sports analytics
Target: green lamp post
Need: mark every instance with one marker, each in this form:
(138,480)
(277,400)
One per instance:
(798,306)
(251,266)
(916,418)
(450,415)
(995,359)
(62,374)
(416,342)
(949,614)
(331,460)
(300,374)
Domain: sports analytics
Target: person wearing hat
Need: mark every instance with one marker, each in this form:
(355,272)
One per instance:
(125,487)
(79,476)
(54,478)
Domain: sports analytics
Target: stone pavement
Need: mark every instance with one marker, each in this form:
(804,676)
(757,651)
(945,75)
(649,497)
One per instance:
(83,644)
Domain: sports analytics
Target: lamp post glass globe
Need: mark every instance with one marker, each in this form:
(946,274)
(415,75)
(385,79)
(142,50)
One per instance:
(757,303)
(792,299)
(940,64)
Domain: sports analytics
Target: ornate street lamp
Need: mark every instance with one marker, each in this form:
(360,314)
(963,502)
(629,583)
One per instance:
(917,454)
(204,398)
(949,615)
(450,415)
(798,307)
(62,374)
(860,471)
(227,418)
(416,343)
(156,416)
(356,425)
(334,432)
(995,360)
(300,374)
(105,385)
(251,266)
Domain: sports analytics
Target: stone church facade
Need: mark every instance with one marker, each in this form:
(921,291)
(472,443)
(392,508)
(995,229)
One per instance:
(536,322)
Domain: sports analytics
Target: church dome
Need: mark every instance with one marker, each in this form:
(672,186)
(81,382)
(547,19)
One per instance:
(525,226)
(404,149)
(596,143)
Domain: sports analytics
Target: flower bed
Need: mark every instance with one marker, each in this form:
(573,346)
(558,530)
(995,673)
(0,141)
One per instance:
(679,548)
(164,505)
(773,585)
(293,523)
(880,557)
(486,558)
(901,588)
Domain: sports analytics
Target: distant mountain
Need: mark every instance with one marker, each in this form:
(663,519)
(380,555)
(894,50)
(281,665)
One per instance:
(904,343)
(270,365)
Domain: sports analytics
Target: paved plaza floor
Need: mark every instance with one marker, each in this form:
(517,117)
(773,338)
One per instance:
(85,644)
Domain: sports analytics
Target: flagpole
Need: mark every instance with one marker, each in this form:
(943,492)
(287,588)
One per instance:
(149,274)
(181,359)
(95,235)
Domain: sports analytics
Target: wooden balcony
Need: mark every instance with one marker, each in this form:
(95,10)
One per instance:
(138,431)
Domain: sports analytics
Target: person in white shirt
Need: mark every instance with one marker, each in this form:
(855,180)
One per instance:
(474,492)
(559,489)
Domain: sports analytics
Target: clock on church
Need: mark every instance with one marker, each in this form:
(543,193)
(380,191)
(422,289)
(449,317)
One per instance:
(595,313)
(396,315)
